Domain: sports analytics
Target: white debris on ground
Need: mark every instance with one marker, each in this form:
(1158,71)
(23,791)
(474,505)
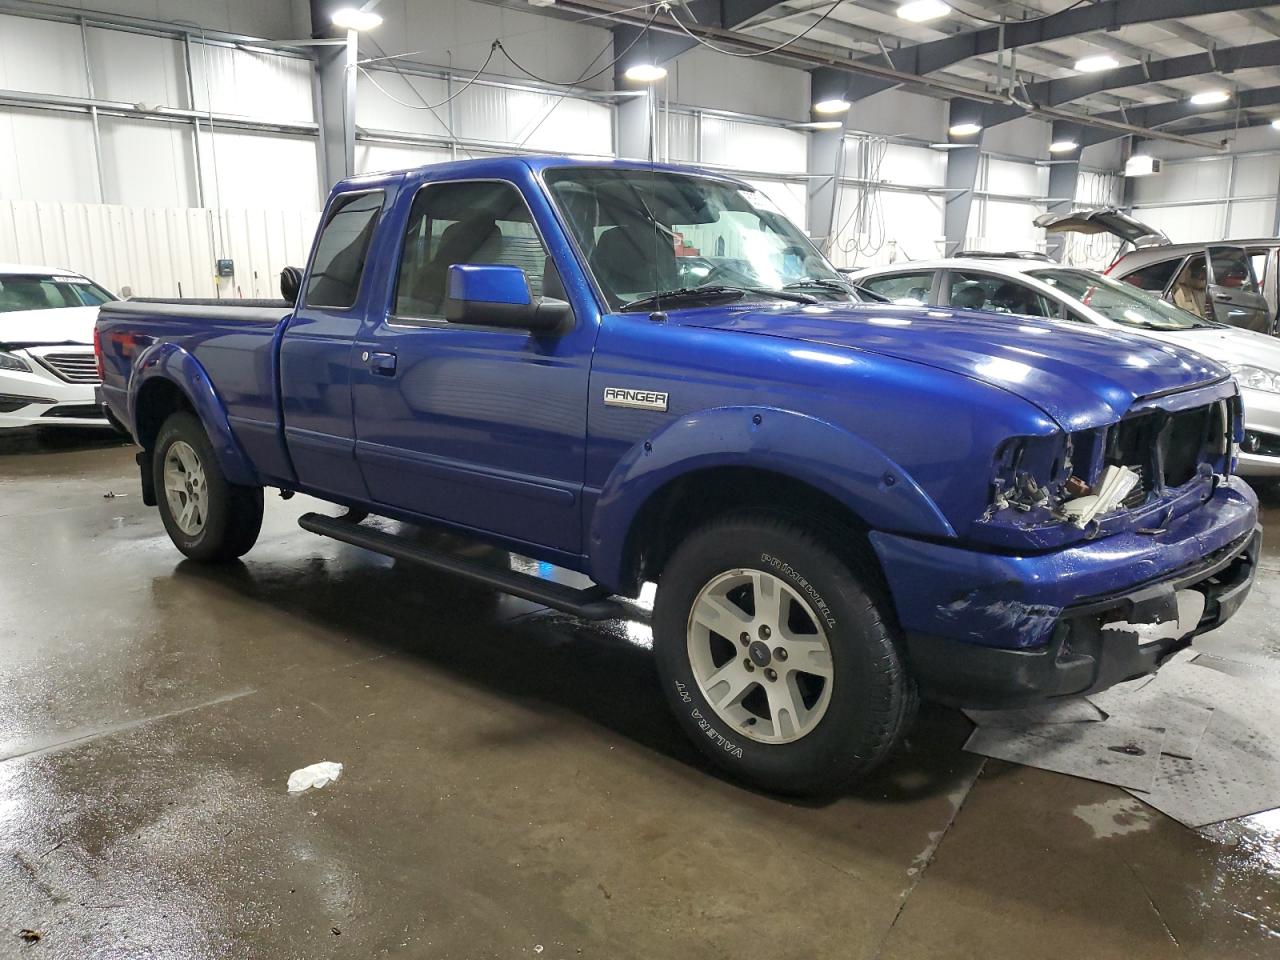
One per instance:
(1199,741)
(316,775)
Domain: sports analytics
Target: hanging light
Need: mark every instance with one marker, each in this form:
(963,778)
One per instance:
(645,73)
(921,11)
(1062,146)
(965,129)
(1097,63)
(834,105)
(351,18)
(1207,97)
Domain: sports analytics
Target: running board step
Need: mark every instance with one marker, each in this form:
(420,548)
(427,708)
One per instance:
(592,603)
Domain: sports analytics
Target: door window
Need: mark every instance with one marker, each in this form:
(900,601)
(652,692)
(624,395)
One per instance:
(1231,269)
(1260,260)
(1155,277)
(472,222)
(985,291)
(908,288)
(1189,286)
(341,250)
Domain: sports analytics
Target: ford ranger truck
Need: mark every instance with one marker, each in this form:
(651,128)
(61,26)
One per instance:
(646,374)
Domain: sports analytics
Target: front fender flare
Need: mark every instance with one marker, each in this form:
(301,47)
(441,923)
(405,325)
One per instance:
(804,448)
(168,361)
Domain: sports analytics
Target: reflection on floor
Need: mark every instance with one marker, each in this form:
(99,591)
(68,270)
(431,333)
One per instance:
(512,783)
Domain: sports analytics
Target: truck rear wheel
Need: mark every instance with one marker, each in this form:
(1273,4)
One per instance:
(207,517)
(777,657)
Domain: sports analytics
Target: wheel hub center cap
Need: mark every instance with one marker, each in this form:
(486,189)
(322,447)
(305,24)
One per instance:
(759,653)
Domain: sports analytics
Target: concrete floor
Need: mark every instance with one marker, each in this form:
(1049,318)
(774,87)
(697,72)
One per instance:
(514,785)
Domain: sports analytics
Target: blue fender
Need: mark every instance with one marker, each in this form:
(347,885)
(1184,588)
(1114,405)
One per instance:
(800,447)
(168,361)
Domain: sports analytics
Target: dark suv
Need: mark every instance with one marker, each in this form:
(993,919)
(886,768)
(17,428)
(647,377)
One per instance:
(1232,282)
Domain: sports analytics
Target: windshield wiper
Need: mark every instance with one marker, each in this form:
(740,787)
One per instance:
(826,283)
(714,291)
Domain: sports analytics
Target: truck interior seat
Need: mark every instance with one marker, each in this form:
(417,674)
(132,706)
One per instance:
(631,261)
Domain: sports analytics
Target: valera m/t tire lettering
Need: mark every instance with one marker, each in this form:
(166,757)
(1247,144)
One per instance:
(777,659)
(207,517)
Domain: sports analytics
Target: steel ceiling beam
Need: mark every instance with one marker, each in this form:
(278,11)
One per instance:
(806,55)
(1054,92)
(1162,114)
(660,47)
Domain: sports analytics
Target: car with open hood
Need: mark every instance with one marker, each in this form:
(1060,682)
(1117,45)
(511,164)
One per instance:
(1039,287)
(48,373)
(1233,281)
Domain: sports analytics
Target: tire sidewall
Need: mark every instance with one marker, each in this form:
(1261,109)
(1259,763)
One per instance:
(848,736)
(204,545)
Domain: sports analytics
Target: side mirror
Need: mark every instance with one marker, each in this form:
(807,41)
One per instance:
(291,284)
(491,295)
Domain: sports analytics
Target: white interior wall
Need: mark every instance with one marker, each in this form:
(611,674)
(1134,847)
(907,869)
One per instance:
(874,225)
(1228,196)
(458,33)
(1000,219)
(704,78)
(900,114)
(158,252)
(273,19)
(137,221)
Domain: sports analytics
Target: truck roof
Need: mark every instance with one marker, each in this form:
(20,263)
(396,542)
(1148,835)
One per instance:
(505,167)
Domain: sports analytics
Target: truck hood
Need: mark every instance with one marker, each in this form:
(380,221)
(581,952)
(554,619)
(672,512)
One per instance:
(1080,376)
(28,328)
(1226,345)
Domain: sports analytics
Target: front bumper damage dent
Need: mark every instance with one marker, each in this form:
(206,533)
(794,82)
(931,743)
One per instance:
(993,630)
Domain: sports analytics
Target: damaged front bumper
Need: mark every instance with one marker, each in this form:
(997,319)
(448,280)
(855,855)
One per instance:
(993,630)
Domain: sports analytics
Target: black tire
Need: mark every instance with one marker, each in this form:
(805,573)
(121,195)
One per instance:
(233,515)
(872,697)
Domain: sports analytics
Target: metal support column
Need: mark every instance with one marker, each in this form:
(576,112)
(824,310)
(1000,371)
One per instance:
(337,71)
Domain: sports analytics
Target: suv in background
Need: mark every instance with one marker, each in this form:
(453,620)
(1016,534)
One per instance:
(1034,287)
(1227,282)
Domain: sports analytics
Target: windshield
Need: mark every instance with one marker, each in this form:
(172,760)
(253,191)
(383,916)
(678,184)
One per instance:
(1121,302)
(49,293)
(646,233)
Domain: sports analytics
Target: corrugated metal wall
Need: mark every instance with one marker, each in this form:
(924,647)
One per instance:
(138,220)
(158,252)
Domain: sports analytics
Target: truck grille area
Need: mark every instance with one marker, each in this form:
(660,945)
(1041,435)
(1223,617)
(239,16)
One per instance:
(77,367)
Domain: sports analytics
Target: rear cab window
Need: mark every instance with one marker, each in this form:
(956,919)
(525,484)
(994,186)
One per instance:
(341,250)
(907,288)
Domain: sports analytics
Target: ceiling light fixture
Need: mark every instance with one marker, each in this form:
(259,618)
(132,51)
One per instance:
(351,18)
(965,129)
(834,105)
(645,73)
(921,11)
(1275,124)
(1096,64)
(1207,97)
(1062,146)
(817,125)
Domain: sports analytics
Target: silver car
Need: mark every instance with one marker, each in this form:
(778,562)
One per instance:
(1037,287)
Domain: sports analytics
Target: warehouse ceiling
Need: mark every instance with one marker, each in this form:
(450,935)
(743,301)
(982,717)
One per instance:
(1011,57)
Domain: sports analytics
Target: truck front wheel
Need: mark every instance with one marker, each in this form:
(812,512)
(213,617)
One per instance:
(206,516)
(777,658)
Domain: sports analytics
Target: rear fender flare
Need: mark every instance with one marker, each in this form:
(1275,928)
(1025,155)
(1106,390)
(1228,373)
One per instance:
(168,361)
(813,451)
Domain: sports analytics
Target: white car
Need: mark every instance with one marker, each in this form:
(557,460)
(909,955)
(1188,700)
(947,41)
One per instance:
(47,368)
(1034,286)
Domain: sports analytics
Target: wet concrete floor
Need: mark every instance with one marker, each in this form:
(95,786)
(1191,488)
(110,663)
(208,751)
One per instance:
(513,784)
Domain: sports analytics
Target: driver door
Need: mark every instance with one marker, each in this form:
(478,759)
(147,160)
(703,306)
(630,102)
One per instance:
(479,426)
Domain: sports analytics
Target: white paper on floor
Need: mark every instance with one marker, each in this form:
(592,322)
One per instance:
(1200,741)
(316,775)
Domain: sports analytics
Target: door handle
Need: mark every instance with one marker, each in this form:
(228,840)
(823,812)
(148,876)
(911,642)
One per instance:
(1222,297)
(382,364)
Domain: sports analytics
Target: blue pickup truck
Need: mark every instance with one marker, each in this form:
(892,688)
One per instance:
(647,374)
